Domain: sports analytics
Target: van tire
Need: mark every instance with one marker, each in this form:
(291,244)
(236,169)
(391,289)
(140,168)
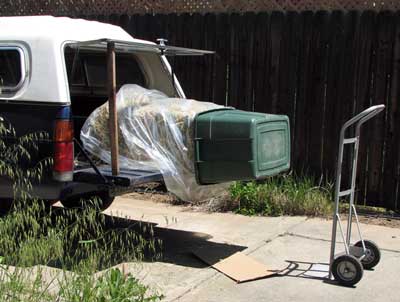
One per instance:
(83,201)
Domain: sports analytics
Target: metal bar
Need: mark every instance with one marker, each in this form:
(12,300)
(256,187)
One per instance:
(105,180)
(173,72)
(337,190)
(346,192)
(349,222)
(112,107)
(353,187)
(368,116)
(359,230)
(131,46)
(365,115)
(346,247)
(351,140)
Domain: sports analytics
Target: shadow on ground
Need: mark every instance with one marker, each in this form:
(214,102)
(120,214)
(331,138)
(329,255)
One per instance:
(177,245)
(171,246)
(309,270)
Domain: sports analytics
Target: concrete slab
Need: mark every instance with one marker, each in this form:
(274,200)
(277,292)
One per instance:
(273,241)
(292,285)
(222,227)
(386,238)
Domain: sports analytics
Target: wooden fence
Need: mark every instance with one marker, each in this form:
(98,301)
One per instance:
(318,68)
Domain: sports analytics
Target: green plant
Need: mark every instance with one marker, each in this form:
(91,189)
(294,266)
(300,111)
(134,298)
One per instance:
(111,286)
(19,285)
(282,195)
(79,242)
(15,156)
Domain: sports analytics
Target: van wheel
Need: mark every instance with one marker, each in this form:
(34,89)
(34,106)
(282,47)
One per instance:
(100,201)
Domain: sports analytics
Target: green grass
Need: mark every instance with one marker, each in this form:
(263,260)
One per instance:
(282,195)
(79,243)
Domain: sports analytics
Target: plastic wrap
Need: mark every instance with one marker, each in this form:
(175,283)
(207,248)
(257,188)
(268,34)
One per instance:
(155,132)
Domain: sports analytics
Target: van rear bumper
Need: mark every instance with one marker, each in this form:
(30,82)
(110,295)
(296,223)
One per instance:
(87,182)
(56,190)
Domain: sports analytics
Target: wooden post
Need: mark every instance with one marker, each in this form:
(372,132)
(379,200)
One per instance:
(112,106)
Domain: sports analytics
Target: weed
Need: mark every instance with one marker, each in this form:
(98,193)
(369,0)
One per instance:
(282,195)
(79,242)
(111,286)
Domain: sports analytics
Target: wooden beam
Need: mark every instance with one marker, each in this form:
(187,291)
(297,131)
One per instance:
(112,106)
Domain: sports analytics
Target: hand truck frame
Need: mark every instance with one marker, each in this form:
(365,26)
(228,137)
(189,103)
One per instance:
(348,267)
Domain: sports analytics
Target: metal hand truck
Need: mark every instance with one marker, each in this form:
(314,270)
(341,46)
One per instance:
(348,267)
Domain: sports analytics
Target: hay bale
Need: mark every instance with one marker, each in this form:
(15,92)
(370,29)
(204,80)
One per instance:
(154,131)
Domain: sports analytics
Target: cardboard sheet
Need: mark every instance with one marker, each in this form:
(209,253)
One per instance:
(237,266)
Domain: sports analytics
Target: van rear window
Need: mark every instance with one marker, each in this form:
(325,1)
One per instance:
(11,68)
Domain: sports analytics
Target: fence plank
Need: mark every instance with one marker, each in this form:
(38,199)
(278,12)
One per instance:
(345,97)
(221,59)
(261,64)
(234,64)
(381,85)
(198,62)
(300,143)
(209,60)
(331,128)
(391,173)
(362,87)
(288,70)
(316,91)
(247,58)
(277,23)
(177,36)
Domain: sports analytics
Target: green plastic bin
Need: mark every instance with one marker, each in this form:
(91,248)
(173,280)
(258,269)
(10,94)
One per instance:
(239,145)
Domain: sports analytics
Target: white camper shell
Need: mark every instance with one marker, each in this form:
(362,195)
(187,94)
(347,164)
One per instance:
(41,41)
(54,71)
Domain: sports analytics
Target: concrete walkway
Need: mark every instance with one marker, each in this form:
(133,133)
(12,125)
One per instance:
(276,242)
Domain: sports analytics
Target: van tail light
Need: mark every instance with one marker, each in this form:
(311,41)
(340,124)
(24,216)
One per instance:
(63,161)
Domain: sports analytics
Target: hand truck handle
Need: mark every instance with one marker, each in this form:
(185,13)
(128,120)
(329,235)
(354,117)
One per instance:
(362,117)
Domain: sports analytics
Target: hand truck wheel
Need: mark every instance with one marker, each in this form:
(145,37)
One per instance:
(373,254)
(347,270)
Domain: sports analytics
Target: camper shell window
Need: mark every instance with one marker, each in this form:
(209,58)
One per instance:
(87,77)
(12,68)
(87,70)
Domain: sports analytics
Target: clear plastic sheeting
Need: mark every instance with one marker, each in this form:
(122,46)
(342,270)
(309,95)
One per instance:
(155,132)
